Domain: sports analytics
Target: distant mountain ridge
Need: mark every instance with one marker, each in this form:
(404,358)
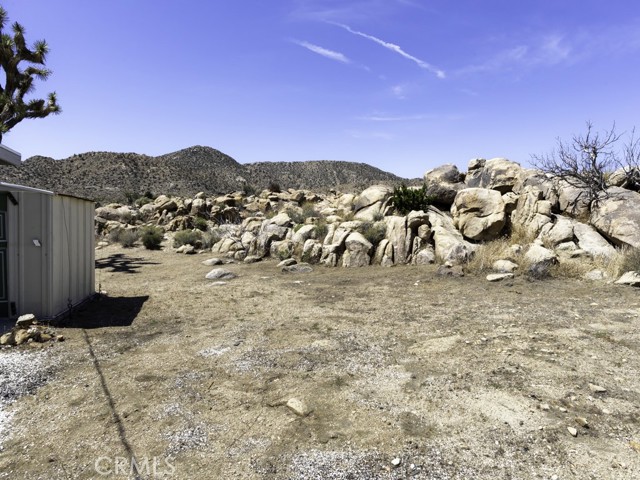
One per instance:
(114,177)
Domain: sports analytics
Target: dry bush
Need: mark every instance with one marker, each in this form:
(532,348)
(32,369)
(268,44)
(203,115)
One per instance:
(572,268)
(630,260)
(125,237)
(521,236)
(487,253)
(626,260)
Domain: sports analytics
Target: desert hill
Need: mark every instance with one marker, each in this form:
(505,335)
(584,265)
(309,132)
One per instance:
(109,176)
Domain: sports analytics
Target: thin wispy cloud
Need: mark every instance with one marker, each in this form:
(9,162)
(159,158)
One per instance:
(325,52)
(545,51)
(396,118)
(399,91)
(394,48)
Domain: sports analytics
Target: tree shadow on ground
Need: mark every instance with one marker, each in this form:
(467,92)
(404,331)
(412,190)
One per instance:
(105,311)
(119,262)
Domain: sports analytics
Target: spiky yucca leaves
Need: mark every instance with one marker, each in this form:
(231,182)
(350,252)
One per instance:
(19,81)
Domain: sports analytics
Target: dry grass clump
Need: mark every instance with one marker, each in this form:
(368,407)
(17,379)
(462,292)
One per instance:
(521,236)
(488,252)
(626,260)
(572,268)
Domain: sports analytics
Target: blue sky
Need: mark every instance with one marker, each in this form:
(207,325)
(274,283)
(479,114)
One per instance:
(404,85)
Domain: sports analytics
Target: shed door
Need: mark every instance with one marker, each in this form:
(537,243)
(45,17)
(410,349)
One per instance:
(4,294)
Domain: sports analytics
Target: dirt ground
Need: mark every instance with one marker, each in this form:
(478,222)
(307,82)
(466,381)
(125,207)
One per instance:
(401,373)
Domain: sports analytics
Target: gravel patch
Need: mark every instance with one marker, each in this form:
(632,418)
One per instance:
(21,373)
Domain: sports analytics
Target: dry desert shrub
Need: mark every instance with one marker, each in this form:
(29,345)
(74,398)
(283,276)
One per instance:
(521,236)
(572,267)
(125,237)
(625,260)
(488,252)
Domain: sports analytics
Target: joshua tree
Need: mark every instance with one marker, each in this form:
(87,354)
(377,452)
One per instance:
(19,81)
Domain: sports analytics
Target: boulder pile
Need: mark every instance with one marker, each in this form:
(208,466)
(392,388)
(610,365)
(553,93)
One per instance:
(493,199)
(28,330)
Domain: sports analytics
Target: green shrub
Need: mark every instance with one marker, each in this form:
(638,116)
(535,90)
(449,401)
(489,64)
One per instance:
(126,238)
(151,237)
(407,199)
(321,230)
(143,201)
(248,190)
(187,237)
(274,187)
(201,224)
(309,210)
(300,215)
(373,232)
(209,239)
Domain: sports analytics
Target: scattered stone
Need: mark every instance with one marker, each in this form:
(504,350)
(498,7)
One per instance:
(212,262)
(396,462)
(545,407)
(21,336)
(218,284)
(582,422)
(597,388)
(186,249)
(497,277)
(287,262)
(504,266)
(573,431)
(25,321)
(220,274)
(7,339)
(629,278)
(298,268)
(252,259)
(298,407)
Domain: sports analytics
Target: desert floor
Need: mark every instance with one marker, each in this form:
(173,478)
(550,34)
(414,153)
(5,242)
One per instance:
(397,373)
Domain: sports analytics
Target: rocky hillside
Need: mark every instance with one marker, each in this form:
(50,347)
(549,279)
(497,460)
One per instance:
(107,176)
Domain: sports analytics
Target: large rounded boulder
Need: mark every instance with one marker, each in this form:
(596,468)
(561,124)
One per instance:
(479,213)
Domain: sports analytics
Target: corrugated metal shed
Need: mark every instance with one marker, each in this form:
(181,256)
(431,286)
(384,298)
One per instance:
(46,251)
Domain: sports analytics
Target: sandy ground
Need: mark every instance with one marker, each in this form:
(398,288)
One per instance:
(400,373)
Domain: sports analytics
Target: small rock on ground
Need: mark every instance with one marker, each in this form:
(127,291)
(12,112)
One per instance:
(220,274)
(298,268)
(497,277)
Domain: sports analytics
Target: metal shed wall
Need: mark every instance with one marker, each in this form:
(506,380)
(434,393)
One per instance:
(72,274)
(43,279)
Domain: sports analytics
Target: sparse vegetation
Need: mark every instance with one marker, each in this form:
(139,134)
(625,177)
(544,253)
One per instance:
(151,237)
(209,239)
(407,199)
(200,224)
(187,237)
(629,260)
(321,230)
(274,187)
(373,232)
(587,161)
(142,201)
(125,237)
(301,214)
(488,253)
